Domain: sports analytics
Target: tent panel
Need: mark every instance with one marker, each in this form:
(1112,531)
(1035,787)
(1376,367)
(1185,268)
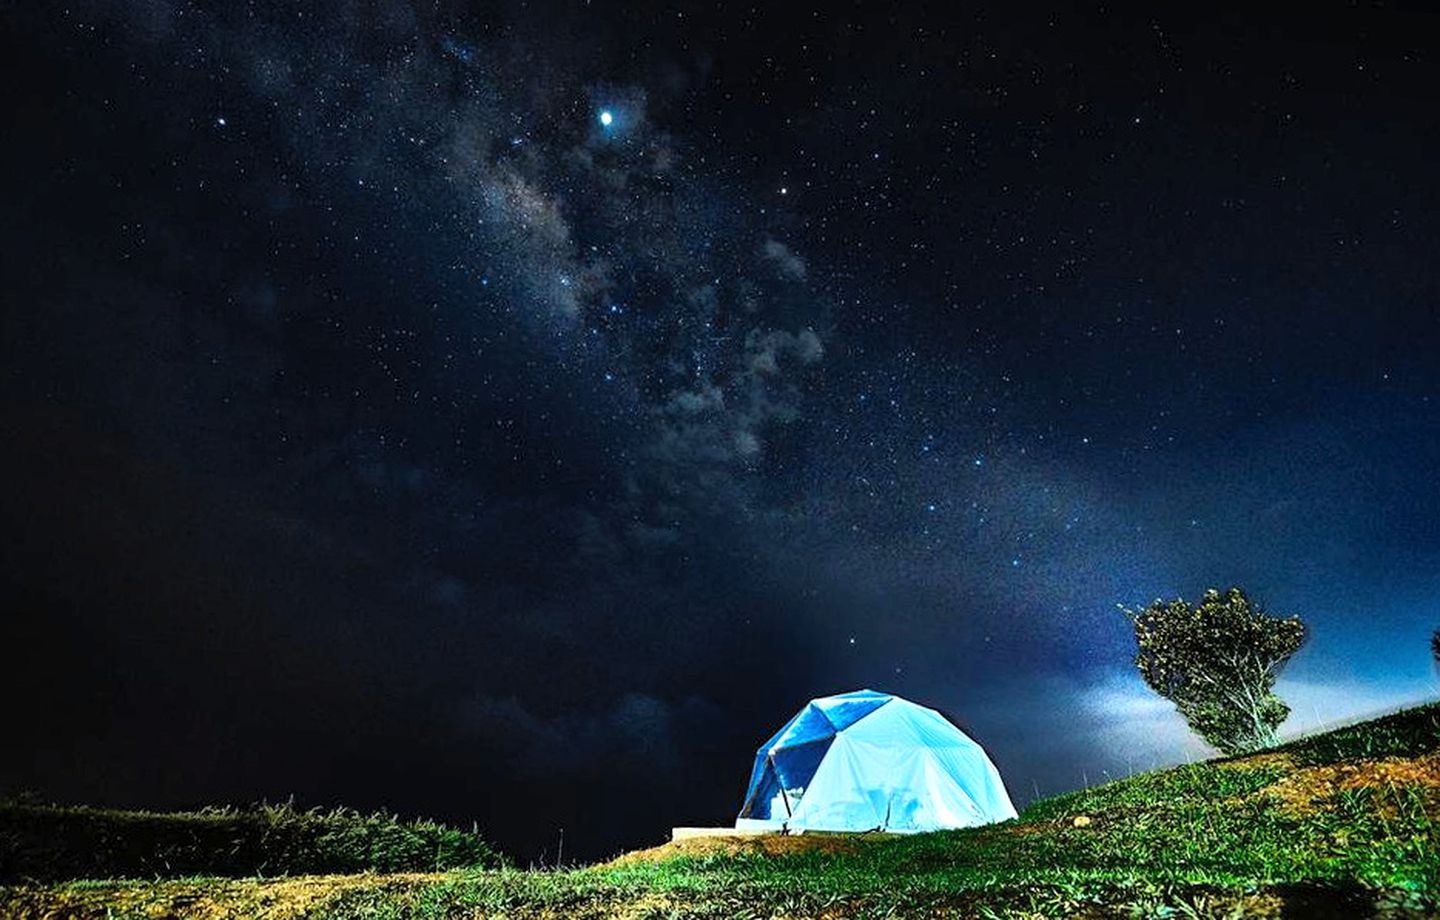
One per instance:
(904,788)
(843,795)
(933,800)
(808,725)
(879,782)
(963,759)
(757,774)
(980,780)
(848,708)
(796,765)
(781,778)
(765,801)
(905,723)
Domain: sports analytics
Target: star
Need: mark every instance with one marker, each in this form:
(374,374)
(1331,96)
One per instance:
(607,118)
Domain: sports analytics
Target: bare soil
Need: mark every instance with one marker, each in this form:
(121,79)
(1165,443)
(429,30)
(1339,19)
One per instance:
(1302,790)
(743,845)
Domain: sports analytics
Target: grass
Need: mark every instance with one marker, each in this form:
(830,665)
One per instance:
(1408,733)
(1343,824)
(49,842)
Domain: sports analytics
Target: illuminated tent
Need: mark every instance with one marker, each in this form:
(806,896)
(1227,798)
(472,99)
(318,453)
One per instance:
(865,761)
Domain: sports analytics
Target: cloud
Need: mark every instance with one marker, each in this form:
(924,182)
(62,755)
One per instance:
(1127,718)
(705,398)
(1057,733)
(764,351)
(786,263)
(714,425)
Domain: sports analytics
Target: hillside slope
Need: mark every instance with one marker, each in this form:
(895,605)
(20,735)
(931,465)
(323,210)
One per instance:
(1345,824)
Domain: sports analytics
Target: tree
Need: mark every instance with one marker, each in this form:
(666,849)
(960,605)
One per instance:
(1217,662)
(1435,646)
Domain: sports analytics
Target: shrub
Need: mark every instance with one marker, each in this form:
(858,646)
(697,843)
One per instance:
(49,842)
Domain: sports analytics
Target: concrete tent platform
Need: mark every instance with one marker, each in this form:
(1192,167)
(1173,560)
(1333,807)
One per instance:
(689,833)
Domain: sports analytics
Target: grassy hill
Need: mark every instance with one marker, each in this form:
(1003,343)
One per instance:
(1344,824)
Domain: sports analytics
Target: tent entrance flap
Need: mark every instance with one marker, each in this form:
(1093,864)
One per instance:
(782,776)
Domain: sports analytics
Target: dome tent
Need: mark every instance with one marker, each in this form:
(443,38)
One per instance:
(865,761)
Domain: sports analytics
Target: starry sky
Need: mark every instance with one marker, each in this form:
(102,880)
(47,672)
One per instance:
(512,413)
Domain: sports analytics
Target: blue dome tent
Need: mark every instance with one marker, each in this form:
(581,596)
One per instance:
(864,761)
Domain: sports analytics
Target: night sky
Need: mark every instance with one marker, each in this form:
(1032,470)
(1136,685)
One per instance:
(513,413)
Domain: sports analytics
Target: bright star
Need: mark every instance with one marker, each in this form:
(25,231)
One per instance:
(606,117)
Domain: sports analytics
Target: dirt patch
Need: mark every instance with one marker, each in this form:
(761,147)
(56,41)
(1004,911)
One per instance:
(1303,789)
(748,845)
(1269,759)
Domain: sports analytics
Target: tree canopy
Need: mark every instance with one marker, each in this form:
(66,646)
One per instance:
(1217,660)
